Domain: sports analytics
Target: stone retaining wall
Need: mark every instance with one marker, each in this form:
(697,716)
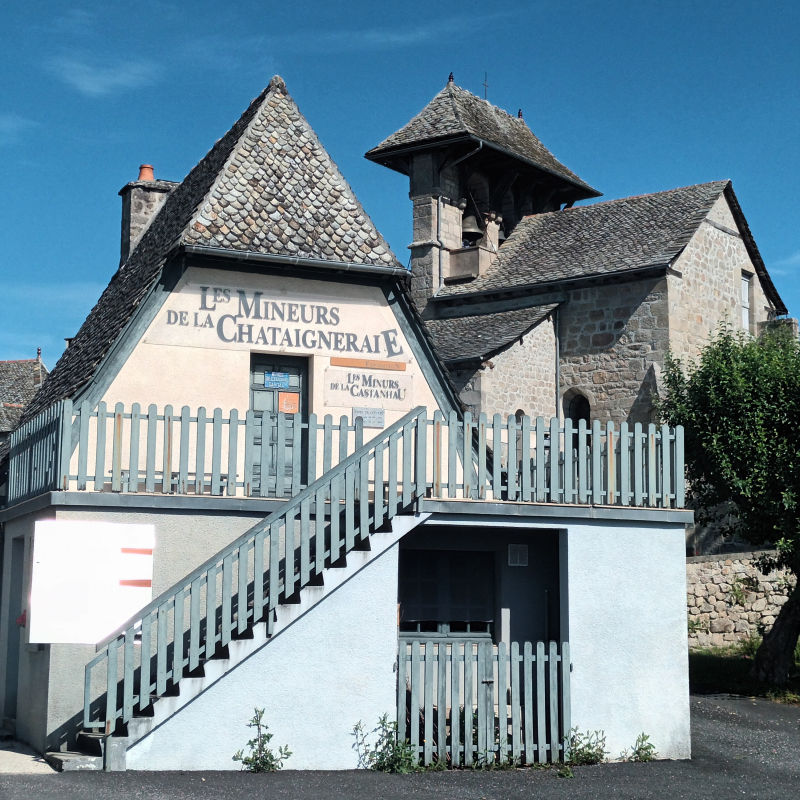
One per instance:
(730,600)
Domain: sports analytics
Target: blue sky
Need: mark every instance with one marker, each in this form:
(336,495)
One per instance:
(634,97)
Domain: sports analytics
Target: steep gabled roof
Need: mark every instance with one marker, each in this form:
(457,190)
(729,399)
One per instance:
(20,380)
(612,237)
(455,112)
(267,187)
(479,337)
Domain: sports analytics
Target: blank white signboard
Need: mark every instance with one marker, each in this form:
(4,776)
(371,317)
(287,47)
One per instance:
(88,578)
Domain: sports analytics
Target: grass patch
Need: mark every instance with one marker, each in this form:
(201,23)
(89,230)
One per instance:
(726,669)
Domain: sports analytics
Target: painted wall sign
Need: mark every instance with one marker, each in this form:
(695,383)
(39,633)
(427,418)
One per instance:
(276,380)
(343,388)
(239,316)
(368,363)
(371,417)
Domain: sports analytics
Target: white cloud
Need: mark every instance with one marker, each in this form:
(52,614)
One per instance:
(786,266)
(76,22)
(791,261)
(372,38)
(12,126)
(98,79)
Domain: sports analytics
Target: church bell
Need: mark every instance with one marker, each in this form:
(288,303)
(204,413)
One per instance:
(470,229)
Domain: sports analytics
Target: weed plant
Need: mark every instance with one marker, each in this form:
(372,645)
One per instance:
(261,757)
(587,748)
(389,754)
(643,750)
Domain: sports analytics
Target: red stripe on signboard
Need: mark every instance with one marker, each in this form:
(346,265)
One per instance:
(141,583)
(138,551)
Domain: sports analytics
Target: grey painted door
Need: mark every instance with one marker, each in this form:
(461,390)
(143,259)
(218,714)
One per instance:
(277,384)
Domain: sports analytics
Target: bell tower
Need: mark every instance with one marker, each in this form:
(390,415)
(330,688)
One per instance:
(474,171)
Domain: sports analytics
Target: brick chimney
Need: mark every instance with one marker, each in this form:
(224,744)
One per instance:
(141,201)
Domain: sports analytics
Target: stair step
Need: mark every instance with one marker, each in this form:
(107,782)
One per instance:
(5,734)
(67,761)
(91,743)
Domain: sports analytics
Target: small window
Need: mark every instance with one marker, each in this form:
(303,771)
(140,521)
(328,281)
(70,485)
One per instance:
(746,285)
(518,555)
(446,592)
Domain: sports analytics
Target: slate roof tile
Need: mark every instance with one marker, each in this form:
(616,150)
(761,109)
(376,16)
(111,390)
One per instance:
(455,111)
(603,238)
(481,336)
(269,165)
(19,383)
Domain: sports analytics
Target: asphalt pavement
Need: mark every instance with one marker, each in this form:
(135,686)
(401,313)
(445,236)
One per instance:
(743,748)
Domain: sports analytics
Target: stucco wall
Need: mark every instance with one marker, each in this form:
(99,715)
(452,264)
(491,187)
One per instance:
(50,700)
(318,678)
(613,341)
(627,633)
(708,289)
(34,662)
(189,364)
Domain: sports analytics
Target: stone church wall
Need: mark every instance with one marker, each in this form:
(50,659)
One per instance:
(613,341)
(730,600)
(709,287)
(521,377)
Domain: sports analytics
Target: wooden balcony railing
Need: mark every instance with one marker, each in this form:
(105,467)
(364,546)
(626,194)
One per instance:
(200,453)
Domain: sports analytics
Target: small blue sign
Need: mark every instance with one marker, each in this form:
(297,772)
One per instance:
(276,380)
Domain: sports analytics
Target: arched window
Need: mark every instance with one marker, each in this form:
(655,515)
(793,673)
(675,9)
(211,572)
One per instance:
(578,409)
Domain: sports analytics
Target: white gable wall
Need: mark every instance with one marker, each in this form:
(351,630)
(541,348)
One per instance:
(179,362)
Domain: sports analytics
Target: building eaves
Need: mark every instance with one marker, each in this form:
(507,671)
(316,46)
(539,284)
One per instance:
(482,336)
(752,250)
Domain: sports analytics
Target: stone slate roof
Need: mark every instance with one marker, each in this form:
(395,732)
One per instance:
(455,112)
(267,186)
(479,337)
(615,236)
(9,418)
(19,382)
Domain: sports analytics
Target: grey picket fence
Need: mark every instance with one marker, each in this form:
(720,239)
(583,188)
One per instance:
(465,703)
(35,456)
(201,453)
(164,452)
(244,583)
(536,460)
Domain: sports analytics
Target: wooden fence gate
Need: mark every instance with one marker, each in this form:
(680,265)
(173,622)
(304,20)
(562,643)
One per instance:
(472,703)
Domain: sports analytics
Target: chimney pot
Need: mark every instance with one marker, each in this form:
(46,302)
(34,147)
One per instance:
(146,173)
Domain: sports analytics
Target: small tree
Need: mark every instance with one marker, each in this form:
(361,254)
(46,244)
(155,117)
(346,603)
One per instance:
(740,406)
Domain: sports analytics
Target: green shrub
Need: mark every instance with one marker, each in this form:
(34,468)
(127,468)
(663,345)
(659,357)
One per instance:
(587,748)
(643,750)
(389,754)
(261,757)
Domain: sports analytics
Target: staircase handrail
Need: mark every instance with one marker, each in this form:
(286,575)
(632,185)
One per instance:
(245,538)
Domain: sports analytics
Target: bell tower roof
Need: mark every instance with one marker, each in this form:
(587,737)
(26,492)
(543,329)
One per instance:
(458,116)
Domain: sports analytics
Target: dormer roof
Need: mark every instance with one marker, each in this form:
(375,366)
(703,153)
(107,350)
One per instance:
(457,114)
